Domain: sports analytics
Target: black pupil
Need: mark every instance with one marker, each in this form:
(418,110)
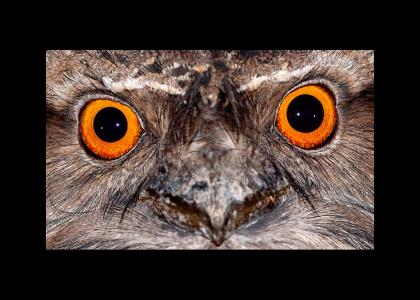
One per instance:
(305,113)
(110,124)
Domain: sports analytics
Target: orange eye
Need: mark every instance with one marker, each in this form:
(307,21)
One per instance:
(108,128)
(307,116)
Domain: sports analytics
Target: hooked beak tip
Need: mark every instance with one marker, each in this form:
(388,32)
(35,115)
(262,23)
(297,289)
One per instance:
(217,238)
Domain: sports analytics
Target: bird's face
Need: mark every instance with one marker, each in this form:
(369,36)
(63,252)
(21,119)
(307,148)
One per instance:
(205,149)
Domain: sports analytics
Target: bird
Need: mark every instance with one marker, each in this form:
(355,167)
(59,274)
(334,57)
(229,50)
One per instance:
(209,149)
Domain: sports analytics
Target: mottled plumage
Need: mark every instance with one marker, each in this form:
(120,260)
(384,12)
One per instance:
(211,170)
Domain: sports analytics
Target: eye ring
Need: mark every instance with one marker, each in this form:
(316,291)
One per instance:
(108,128)
(302,131)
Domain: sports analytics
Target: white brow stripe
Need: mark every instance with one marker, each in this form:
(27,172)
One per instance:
(279,76)
(138,84)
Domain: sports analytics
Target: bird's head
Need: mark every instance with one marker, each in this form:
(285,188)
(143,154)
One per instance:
(199,149)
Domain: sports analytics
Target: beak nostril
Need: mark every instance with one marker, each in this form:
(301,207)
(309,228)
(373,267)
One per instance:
(200,186)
